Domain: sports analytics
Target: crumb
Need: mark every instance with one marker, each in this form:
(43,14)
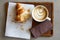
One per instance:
(21,27)
(28,10)
(13,21)
(28,29)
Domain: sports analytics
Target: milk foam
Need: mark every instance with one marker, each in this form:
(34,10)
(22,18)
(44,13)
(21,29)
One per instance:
(40,13)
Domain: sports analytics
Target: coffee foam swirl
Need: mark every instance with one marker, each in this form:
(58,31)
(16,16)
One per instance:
(40,13)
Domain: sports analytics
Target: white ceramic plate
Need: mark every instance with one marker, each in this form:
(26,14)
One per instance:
(18,30)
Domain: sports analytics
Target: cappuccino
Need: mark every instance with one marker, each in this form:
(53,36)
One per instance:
(40,13)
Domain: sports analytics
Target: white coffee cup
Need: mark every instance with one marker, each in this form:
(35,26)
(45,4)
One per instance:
(40,13)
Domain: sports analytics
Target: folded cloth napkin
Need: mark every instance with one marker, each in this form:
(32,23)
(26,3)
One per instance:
(41,28)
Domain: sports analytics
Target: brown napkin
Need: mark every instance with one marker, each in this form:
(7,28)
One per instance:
(43,27)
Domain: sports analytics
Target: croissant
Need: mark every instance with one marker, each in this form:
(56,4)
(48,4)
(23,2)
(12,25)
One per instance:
(22,15)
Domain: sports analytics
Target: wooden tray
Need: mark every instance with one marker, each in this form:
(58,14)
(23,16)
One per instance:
(49,6)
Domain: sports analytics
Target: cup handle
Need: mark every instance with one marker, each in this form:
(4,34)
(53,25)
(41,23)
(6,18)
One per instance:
(48,18)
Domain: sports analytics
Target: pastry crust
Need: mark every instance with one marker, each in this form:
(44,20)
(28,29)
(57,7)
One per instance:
(22,15)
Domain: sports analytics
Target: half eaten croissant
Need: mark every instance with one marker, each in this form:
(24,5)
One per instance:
(22,15)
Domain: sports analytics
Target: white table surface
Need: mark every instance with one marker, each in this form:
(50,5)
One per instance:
(56,35)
